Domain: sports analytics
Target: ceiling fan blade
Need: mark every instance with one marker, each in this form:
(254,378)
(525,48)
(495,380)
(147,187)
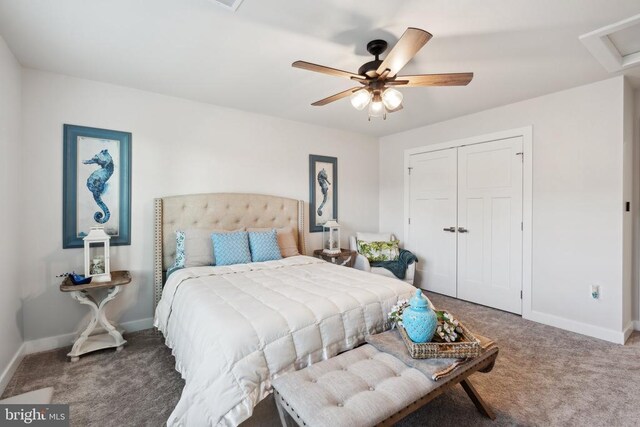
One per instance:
(327,70)
(335,97)
(450,79)
(409,44)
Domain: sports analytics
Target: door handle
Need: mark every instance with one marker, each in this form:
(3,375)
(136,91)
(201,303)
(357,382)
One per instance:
(450,229)
(462,230)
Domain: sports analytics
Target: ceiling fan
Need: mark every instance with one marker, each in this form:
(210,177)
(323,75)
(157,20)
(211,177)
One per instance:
(379,78)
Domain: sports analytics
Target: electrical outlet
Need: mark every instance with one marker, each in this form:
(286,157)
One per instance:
(595,292)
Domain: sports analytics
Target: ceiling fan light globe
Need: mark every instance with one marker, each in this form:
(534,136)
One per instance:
(376,109)
(392,98)
(360,99)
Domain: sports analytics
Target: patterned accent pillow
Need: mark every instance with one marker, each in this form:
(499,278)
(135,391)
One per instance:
(180,254)
(231,248)
(379,251)
(264,245)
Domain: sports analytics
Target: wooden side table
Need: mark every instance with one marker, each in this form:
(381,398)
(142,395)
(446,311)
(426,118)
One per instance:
(345,257)
(86,342)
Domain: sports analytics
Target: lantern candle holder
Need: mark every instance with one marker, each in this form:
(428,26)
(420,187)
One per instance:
(96,255)
(331,237)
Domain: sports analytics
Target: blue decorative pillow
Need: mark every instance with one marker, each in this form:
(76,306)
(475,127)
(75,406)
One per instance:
(264,245)
(231,248)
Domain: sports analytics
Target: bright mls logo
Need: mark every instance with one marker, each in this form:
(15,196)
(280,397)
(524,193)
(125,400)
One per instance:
(34,415)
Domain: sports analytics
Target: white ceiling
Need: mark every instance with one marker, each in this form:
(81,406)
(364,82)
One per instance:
(198,50)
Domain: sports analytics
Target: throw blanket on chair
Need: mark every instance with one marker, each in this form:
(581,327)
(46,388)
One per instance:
(399,266)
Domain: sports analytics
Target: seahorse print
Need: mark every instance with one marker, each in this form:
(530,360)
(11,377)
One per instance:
(323,181)
(97,183)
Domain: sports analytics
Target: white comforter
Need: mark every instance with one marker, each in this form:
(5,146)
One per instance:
(234,329)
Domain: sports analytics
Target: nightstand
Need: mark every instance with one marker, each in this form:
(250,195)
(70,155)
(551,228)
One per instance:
(346,257)
(112,337)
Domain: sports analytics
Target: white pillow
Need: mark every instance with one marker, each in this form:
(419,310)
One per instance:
(198,247)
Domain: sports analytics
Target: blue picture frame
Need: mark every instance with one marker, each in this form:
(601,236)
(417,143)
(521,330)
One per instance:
(96,184)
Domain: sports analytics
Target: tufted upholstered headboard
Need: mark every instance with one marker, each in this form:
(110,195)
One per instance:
(227,211)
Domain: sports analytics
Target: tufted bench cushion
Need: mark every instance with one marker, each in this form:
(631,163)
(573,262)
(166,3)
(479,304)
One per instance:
(362,387)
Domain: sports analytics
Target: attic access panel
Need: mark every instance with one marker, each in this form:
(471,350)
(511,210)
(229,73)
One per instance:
(232,5)
(616,46)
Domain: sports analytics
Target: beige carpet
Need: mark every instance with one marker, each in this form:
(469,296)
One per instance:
(543,377)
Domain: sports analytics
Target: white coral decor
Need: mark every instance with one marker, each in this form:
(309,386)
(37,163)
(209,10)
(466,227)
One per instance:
(395,315)
(448,329)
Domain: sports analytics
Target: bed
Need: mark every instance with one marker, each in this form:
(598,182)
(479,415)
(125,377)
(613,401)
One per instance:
(233,329)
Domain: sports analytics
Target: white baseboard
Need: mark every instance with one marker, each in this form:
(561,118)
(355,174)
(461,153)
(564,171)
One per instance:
(11,368)
(51,343)
(48,343)
(628,331)
(617,337)
(636,325)
(137,325)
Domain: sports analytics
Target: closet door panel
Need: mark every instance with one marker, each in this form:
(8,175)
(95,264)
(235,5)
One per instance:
(432,208)
(489,224)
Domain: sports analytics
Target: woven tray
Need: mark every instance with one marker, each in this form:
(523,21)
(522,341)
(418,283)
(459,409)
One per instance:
(468,346)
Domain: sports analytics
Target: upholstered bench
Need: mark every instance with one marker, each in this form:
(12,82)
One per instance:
(366,387)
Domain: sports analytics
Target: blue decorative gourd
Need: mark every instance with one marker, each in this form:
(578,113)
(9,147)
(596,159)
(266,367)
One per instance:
(419,320)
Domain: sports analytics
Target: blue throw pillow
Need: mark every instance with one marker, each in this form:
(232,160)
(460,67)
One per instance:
(231,248)
(264,246)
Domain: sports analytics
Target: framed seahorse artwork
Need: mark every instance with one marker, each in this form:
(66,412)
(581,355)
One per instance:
(97,184)
(323,191)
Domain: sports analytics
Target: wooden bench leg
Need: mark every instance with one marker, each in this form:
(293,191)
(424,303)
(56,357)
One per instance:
(473,394)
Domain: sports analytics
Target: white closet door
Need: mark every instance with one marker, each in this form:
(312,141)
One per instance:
(489,224)
(432,209)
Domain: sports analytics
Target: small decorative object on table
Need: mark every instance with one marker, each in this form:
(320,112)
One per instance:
(331,237)
(345,257)
(451,339)
(419,319)
(112,337)
(96,255)
(76,279)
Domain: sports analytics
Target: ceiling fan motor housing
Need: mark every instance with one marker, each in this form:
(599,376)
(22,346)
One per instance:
(375,48)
